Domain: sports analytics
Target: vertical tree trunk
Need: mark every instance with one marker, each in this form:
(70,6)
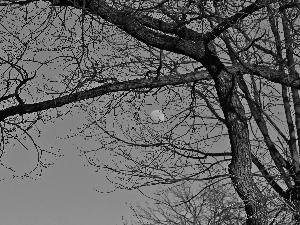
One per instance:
(240,166)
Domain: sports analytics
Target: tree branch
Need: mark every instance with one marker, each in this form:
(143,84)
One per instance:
(262,71)
(102,90)
(229,22)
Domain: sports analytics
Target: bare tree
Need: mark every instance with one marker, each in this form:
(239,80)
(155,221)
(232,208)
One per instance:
(227,68)
(182,204)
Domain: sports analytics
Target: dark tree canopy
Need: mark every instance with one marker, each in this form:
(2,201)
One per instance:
(227,71)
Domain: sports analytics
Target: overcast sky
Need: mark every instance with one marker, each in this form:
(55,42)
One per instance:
(65,195)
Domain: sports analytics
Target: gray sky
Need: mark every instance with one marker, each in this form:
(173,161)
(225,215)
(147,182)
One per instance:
(65,195)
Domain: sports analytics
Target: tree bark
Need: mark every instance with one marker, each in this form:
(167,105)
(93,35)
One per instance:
(240,166)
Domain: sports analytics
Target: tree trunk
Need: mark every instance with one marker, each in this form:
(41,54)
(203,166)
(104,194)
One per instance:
(240,166)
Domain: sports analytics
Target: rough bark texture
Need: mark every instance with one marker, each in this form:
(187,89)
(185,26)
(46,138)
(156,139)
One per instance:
(240,166)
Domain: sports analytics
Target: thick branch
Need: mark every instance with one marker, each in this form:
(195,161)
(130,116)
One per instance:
(263,71)
(171,28)
(102,90)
